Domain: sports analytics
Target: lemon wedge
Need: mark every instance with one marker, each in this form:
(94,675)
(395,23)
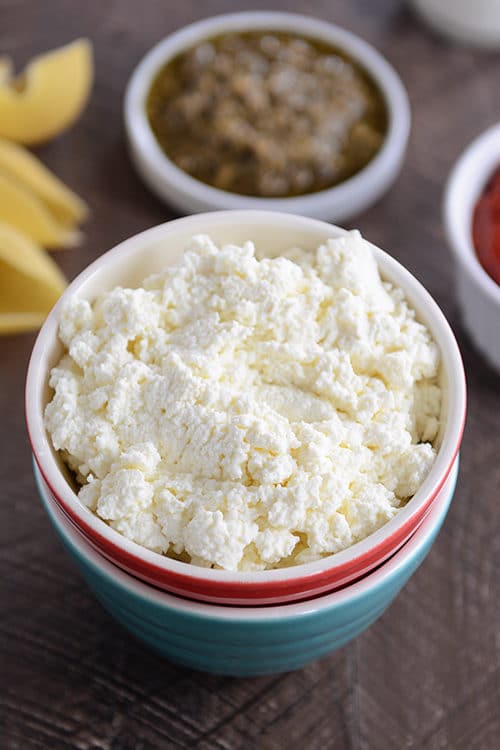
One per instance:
(48,96)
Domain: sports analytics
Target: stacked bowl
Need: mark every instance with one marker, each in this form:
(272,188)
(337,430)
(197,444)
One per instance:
(243,623)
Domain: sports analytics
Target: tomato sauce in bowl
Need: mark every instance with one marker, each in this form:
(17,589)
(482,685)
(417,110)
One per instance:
(486,227)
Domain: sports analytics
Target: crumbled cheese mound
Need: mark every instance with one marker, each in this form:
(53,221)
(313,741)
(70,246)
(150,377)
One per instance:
(248,413)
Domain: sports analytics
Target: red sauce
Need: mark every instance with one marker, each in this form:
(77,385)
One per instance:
(486,227)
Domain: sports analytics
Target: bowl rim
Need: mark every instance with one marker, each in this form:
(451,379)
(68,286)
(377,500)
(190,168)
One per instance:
(466,182)
(284,612)
(158,565)
(165,173)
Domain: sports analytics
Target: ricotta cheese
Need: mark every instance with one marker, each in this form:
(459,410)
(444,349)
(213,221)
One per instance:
(248,413)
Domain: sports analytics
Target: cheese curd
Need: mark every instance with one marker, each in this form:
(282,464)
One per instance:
(248,413)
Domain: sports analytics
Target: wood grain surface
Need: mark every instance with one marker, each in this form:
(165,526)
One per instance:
(427,674)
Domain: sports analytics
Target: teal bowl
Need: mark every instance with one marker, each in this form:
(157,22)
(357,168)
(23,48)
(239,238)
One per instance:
(247,641)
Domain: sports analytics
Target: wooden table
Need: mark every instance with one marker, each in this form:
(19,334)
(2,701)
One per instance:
(427,674)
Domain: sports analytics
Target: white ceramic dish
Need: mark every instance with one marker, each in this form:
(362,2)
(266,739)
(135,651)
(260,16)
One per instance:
(146,253)
(478,294)
(476,23)
(184,192)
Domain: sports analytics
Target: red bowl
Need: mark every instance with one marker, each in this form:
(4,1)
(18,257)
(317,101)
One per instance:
(146,253)
(259,592)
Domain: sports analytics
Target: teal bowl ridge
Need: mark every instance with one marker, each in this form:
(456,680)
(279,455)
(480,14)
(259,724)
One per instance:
(247,641)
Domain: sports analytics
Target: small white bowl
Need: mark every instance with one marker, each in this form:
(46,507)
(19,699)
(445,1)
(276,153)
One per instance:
(476,23)
(478,294)
(177,188)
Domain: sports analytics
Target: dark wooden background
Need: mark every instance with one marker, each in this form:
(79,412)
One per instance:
(427,674)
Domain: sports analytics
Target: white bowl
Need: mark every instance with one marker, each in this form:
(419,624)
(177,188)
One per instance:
(188,194)
(476,23)
(146,253)
(478,294)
